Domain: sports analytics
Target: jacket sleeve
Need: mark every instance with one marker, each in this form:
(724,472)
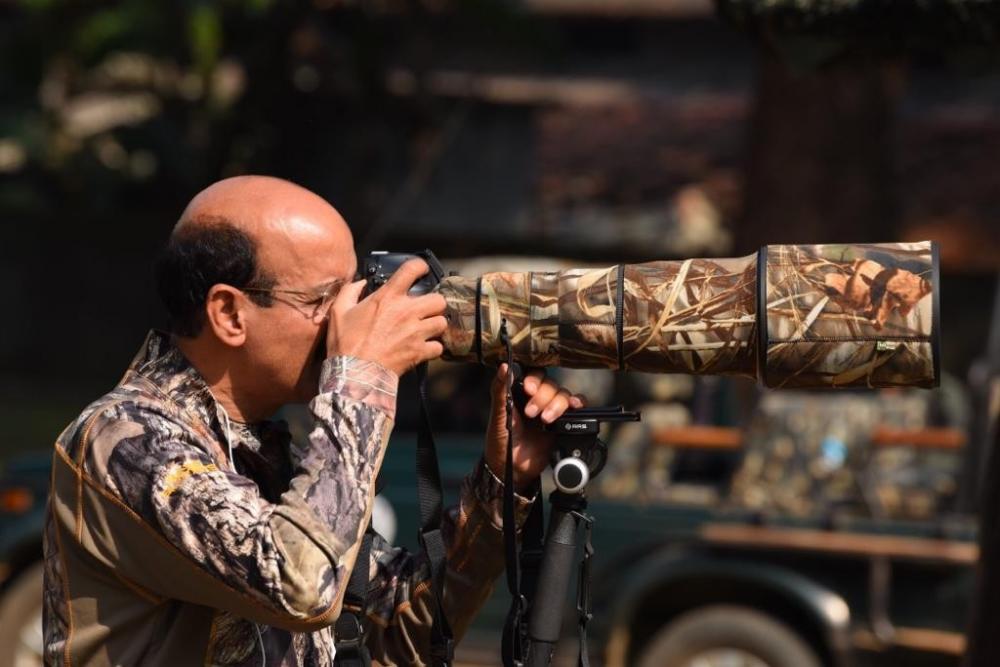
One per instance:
(284,564)
(400,605)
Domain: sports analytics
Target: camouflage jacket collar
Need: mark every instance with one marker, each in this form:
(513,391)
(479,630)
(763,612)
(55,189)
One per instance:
(162,364)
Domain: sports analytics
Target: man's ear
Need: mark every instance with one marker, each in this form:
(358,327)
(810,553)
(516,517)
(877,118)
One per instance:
(225,314)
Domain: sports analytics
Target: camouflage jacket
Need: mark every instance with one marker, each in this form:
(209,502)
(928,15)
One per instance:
(161,551)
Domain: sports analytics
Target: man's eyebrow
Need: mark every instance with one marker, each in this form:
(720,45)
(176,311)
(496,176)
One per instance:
(323,288)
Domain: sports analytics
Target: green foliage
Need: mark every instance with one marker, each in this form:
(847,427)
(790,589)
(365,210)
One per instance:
(109,95)
(103,28)
(205,37)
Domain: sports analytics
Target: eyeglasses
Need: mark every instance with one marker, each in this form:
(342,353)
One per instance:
(314,303)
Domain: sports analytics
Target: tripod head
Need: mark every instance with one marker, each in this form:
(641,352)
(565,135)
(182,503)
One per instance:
(580,454)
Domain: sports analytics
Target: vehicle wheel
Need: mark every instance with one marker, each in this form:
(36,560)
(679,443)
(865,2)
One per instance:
(727,636)
(21,620)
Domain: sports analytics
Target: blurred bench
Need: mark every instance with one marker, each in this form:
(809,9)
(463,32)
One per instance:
(730,439)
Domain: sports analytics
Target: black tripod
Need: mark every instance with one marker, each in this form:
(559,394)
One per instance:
(579,456)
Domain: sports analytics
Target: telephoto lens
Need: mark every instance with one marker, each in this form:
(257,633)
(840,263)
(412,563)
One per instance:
(844,315)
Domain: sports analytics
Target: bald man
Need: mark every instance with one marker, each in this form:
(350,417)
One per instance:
(184,528)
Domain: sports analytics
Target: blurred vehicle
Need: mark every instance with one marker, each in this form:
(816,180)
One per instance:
(832,543)
(23,488)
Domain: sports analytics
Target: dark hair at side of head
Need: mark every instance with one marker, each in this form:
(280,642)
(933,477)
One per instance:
(199,256)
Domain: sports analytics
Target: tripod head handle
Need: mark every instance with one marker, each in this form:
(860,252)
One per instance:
(584,422)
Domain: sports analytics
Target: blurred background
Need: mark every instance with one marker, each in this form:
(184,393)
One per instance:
(552,132)
(624,130)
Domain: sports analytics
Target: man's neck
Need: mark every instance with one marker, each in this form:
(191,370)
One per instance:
(215,369)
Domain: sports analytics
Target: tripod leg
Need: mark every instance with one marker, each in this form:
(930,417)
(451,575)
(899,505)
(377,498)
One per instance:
(558,561)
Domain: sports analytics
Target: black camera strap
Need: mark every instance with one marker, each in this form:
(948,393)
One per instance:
(431,501)
(351,627)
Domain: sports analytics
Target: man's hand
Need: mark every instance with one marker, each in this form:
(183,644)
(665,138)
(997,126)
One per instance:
(388,326)
(532,445)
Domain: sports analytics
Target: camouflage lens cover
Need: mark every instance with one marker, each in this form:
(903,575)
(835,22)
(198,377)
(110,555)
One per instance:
(694,316)
(850,315)
(847,315)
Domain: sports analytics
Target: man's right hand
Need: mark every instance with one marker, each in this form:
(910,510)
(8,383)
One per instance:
(389,326)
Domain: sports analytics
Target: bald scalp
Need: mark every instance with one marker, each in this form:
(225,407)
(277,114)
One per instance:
(260,206)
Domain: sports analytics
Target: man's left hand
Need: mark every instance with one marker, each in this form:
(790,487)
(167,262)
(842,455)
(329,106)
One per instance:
(532,446)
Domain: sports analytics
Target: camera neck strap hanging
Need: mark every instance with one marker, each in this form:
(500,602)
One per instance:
(351,626)
(430,498)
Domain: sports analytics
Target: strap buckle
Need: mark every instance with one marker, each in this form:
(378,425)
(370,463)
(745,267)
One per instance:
(443,651)
(349,642)
(348,631)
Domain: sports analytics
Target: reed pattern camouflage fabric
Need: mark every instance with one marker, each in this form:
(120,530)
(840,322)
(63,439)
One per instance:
(160,550)
(850,315)
(843,315)
(693,316)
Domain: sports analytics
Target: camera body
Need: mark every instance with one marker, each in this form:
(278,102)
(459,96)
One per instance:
(379,265)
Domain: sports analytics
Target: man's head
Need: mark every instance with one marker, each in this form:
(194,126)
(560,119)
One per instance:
(243,278)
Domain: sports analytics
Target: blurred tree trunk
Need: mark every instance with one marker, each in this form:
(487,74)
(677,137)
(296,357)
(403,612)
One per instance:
(821,165)
(982,638)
